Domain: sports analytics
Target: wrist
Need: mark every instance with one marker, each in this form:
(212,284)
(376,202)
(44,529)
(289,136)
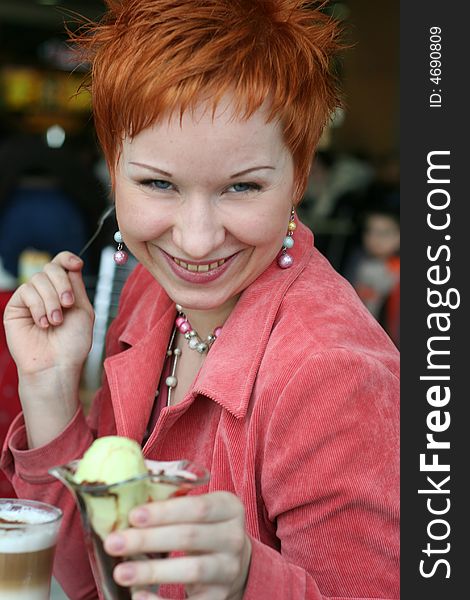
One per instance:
(49,401)
(52,386)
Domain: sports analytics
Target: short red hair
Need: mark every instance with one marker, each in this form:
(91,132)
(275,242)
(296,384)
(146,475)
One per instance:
(152,57)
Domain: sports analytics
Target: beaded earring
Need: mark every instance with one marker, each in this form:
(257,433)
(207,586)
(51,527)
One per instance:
(120,256)
(285,260)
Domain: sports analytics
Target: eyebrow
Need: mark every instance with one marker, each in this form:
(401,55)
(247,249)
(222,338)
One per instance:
(150,168)
(166,174)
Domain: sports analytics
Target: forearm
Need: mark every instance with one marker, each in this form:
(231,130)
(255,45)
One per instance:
(49,401)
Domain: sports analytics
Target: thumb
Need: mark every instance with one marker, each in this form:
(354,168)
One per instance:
(79,291)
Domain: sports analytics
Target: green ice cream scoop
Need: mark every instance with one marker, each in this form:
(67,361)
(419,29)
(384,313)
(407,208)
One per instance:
(112,461)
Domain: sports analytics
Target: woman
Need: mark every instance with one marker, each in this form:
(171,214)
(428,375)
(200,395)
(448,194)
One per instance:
(208,114)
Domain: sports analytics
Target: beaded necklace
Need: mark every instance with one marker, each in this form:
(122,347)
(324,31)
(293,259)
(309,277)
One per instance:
(195,342)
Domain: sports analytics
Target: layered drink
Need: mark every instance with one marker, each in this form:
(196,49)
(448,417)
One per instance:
(28,535)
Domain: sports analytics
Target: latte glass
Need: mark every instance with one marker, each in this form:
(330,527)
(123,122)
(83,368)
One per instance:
(28,536)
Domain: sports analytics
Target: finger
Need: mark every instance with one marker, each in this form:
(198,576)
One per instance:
(32,301)
(205,508)
(79,291)
(69,261)
(209,569)
(205,592)
(212,592)
(226,536)
(73,264)
(44,287)
(61,282)
(143,595)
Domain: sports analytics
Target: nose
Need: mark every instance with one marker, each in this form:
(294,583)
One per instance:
(198,230)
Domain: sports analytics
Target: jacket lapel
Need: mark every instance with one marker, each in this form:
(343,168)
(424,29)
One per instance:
(133,376)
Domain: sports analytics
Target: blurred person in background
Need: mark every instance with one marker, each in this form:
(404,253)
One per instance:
(333,200)
(374,267)
(236,344)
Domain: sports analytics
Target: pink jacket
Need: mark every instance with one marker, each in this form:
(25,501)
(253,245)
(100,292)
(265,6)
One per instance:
(295,411)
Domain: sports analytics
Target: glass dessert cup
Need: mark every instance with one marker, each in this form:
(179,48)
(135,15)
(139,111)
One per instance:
(104,508)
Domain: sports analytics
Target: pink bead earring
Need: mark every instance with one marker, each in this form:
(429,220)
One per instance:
(285,260)
(120,256)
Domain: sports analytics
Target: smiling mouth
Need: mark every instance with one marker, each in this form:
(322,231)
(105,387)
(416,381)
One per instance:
(199,268)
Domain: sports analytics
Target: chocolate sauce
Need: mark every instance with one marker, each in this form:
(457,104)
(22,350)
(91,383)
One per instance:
(12,522)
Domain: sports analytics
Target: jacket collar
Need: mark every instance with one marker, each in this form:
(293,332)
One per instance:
(228,374)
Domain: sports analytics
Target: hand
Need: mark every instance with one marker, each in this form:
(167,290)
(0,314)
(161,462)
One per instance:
(49,320)
(209,528)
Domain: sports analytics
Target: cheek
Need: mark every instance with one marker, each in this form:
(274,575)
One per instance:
(266,226)
(266,235)
(138,220)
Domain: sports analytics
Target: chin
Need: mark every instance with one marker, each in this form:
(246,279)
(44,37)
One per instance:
(190,299)
(195,302)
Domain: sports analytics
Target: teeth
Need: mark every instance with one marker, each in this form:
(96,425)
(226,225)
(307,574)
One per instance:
(199,268)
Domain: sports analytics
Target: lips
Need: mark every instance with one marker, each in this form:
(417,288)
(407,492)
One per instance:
(199,272)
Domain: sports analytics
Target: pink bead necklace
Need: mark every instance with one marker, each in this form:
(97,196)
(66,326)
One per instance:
(195,342)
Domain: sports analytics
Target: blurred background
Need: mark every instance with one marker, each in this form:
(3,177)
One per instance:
(54,185)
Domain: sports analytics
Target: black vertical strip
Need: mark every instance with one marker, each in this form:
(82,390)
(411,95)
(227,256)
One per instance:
(435,270)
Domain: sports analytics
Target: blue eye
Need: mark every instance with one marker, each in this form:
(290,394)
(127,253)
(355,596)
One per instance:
(244,187)
(157,184)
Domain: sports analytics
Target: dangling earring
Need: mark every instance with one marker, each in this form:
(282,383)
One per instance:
(120,256)
(285,260)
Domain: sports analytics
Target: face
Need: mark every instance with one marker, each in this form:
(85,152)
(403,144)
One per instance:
(204,204)
(382,236)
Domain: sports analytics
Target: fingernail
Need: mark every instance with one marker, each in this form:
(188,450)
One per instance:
(56,316)
(67,298)
(44,322)
(126,572)
(140,516)
(115,542)
(75,259)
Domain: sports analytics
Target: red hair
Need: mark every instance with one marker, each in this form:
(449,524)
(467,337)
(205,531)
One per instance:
(152,57)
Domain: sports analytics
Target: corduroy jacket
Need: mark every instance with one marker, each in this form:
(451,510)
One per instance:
(295,410)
